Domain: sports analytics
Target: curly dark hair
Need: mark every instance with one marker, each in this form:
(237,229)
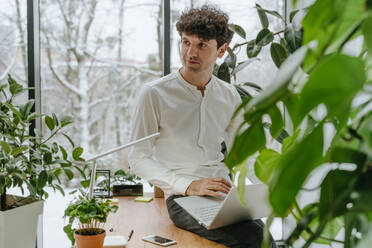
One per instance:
(207,22)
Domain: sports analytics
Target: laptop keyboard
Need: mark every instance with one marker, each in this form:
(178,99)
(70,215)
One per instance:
(206,214)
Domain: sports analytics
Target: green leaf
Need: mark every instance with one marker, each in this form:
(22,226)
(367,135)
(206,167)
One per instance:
(31,189)
(361,196)
(335,193)
(284,44)
(47,157)
(253,85)
(60,189)
(223,73)
(291,101)
(49,122)
(66,121)
(347,155)
(278,53)
(277,122)
(279,86)
(18,150)
(77,152)
(64,153)
(42,179)
(272,12)
(242,65)
(302,224)
(5,147)
(26,109)
(244,146)
(292,14)
(14,87)
(296,163)
(293,38)
(336,77)
(263,18)
(70,233)
(352,220)
(14,110)
(80,171)
(265,164)
(85,183)
(215,69)
(264,37)
(68,173)
(238,29)
(69,139)
(120,172)
(55,119)
(230,59)
(319,15)
(367,32)
(327,22)
(243,170)
(253,49)
(242,92)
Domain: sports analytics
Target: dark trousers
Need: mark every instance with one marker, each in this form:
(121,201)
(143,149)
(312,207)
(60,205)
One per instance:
(247,234)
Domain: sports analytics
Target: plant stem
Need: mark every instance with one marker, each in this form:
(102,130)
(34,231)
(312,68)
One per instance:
(279,32)
(3,200)
(298,208)
(294,215)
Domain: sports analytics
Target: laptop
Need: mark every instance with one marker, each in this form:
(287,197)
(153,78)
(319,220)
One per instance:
(213,212)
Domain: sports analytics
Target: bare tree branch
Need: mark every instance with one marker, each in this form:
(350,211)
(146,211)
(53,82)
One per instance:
(98,101)
(59,78)
(91,85)
(126,64)
(8,68)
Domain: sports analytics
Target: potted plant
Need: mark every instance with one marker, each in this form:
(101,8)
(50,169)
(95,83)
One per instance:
(90,215)
(30,163)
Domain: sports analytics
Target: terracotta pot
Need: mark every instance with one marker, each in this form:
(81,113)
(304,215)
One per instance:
(89,241)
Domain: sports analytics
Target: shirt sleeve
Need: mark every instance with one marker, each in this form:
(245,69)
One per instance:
(145,121)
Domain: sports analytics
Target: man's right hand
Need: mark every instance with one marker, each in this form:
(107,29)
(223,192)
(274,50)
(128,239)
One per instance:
(209,186)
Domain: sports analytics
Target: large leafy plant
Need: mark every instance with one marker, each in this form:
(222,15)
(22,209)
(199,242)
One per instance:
(88,214)
(327,94)
(31,161)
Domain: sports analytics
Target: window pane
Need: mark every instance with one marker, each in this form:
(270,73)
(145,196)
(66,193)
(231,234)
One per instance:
(94,57)
(13,43)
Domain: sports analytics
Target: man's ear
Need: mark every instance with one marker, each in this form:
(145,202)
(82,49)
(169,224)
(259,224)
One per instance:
(222,50)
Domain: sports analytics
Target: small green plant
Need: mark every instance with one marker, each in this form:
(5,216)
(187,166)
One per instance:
(27,160)
(89,214)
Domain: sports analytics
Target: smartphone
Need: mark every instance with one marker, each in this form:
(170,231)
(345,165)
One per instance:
(159,240)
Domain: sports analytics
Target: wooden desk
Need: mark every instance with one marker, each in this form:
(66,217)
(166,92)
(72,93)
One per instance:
(151,218)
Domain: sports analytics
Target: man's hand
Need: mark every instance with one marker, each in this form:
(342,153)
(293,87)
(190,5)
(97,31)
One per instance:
(209,186)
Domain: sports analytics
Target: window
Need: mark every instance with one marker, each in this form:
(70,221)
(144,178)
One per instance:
(94,57)
(13,42)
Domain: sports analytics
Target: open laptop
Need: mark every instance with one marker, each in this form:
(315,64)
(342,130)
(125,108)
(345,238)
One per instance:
(214,212)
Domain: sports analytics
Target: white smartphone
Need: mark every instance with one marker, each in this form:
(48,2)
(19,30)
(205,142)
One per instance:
(159,240)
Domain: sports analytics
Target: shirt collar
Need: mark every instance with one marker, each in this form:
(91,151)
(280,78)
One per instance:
(193,87)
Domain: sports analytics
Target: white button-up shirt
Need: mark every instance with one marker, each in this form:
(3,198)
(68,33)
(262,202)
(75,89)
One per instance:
(191,129)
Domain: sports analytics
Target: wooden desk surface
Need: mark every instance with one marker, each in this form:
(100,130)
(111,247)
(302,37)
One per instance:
(151,218)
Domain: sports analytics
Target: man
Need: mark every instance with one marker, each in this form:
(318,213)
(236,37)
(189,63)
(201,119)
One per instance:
(192,110)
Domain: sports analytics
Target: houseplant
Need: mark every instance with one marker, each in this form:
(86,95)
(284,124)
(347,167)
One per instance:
(90,215)
(326,90)
(26,161)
